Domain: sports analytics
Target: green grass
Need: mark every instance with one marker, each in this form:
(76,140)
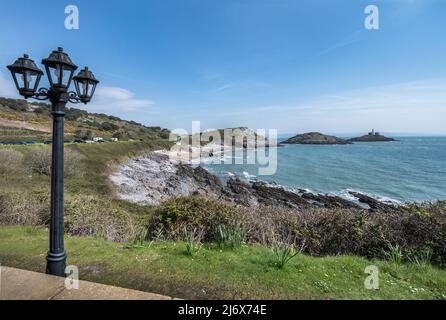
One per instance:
(249,272)
(100,160)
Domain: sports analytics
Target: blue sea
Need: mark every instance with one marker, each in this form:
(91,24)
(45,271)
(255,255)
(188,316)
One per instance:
(411,169)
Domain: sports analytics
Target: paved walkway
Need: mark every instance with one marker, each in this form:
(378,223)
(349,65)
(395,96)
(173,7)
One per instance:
(16,284)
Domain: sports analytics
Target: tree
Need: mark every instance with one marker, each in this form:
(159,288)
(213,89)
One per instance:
(108,126)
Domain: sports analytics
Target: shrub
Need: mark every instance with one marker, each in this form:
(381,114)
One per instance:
(73,114)
(359,232)
(323,231)
(39,161)
(173,216)
(11,161)
(416,233)
(84,215)
(73,165)
(108,126)
(23,208)
(99,217)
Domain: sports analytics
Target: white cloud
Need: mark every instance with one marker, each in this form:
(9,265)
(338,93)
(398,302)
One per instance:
(211,76)
(7,87)
(412,107)
(113,99)
(106,99)
(348,40)
(222,88)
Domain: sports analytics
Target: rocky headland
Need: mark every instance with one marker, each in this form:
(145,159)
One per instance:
(153,178)
(315,138)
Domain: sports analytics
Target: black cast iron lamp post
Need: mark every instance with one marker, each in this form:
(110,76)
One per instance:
(60,70)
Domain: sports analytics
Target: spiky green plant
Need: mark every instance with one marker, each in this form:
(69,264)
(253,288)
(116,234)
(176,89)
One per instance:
(421,257)
(140,240)
(233,237)
(193,241)
(394,254)
(283,254)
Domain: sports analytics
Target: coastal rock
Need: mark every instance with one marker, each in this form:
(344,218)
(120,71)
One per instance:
(153,179)
(240,192)
(315,138)
(277,196)
(373,204)
(372,137)
(328,201)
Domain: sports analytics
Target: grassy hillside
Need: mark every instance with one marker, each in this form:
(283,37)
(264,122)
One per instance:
(20,120)
(89,196)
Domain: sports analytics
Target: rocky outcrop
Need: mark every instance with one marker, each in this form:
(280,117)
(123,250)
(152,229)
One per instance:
(328,201)
(315,138)
(372,137)
(259,193)
(153,178)
(374,204)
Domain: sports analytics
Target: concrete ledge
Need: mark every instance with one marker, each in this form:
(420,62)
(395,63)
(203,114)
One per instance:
(16,284)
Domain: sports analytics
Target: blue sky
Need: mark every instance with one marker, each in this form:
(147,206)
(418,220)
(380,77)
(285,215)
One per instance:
(290,65)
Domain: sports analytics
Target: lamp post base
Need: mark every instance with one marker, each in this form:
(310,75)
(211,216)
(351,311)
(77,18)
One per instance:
(56,263)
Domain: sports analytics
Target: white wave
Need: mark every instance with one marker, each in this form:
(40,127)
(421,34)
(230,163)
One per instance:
(345,194)
(248,176)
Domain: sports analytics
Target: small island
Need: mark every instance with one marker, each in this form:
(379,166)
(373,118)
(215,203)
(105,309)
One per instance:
(372,137)
(315,138)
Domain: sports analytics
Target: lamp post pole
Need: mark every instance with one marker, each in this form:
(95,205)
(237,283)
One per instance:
(56,258)
(59,69)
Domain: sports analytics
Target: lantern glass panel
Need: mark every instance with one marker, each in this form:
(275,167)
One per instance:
(93,89)
(60,75)
(85,88)
(29,80)
(26,80)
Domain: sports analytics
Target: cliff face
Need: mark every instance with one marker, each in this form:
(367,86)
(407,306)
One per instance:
(315,138)
(372,138)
